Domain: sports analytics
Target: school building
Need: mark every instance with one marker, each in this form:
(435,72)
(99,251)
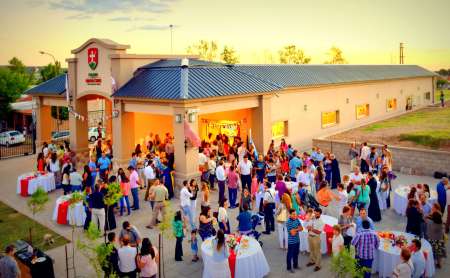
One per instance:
(156,94)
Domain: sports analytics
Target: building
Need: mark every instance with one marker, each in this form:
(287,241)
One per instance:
(159,93)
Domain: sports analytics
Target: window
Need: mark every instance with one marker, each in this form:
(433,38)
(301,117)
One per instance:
(279,129)
(427,95)
(330,118)
(391,104)
(362,111)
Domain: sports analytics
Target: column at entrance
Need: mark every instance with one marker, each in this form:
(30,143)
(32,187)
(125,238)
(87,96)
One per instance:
(262,127)
(186,157)
(79,127)
(43,119)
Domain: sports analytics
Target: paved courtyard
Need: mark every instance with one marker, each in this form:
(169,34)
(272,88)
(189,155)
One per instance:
(11,168)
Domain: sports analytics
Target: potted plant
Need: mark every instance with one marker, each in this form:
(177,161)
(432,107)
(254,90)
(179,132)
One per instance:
(345,265)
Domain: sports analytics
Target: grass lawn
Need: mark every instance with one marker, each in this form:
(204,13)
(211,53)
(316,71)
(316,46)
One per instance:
(428,127)
(14,226)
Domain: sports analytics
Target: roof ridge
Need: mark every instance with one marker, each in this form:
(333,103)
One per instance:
(258,77)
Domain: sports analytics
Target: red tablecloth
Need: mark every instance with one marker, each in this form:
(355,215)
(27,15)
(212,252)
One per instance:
(232,262)
(24,186)
(62,213)
(329,234)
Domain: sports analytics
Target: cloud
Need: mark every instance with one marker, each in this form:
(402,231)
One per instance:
(110,6)
(79,17)
(152,27)
(129,18)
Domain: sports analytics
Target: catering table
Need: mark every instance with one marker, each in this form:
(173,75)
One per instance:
(66,213)
(401,202)
(40,267)
(28,183)
(388,256)
(304,245)
(250,262)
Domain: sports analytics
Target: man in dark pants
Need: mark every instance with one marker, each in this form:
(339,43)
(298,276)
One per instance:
(245,168)
(269,206)
(293,226)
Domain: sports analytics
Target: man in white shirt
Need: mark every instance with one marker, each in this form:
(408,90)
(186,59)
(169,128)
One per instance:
(202,163)
(304,176)
(75,180)
(212,170)
(242,151)
(185,203)
(356,176)
(127,258)
(221,177)
(315,229)
(269,206)
(365,156)
(245,169)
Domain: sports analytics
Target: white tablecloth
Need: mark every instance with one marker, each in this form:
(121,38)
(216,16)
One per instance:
(46,182)
(304,245)
(401,202)
(75,214)
(250,262)
(385,260)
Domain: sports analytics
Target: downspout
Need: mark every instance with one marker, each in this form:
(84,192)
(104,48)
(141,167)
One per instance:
(184,79)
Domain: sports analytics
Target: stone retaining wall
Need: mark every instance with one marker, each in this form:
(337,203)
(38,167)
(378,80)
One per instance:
(417,161)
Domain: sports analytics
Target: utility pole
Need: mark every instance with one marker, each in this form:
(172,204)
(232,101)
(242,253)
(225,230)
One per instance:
(402,57)
(171,38)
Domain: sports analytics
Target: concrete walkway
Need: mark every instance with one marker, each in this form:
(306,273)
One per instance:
(11,168)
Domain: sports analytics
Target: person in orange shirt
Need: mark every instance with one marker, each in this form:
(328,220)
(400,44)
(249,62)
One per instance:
(325,196)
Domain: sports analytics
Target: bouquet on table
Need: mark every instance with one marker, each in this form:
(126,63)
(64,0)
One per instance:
(231,242)
(401,241)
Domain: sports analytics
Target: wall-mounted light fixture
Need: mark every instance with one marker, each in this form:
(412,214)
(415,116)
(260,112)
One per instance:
(191,117)
(178,118)
(347,100)
(401,92)
(378,95)
(305,107)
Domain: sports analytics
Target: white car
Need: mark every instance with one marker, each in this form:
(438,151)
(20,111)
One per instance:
(60,135)
(12,137)
(93,133)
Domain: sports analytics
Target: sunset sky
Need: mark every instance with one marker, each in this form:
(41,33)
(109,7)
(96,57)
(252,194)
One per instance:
(368,31)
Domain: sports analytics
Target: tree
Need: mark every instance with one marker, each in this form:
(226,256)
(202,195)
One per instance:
(443,72)
(50,71)
(229,56)
(36,204)
(345,265)
(291,55)
(207,50)
(336,56)
(13,82)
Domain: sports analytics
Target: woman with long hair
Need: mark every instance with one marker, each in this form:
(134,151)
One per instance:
(40,161)
(148,259)
(281,216)
(205,195)
(222,217)
(219,263)
(206,228)
(125,187)
(319,177)
(87,177)
(177,227)
(414,218)
(435,235)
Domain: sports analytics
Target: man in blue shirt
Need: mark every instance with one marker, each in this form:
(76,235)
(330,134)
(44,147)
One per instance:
(293,226)
(290,151)
(93,167)
(441,188)
(133,161)
(245,221)
(361,218)
(104,164)
(294,163)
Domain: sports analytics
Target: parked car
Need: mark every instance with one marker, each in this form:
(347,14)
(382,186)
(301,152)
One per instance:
(60,135)
(93,133)
(12,137)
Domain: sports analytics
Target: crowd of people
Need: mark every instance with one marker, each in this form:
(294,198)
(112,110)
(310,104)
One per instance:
(277,186)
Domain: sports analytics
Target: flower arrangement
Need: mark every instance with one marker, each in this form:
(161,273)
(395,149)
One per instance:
(231,242)
(76,197)
(401,241)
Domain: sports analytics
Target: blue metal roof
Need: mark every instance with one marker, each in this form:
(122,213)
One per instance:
(55,86)
(163,79)
(310,75)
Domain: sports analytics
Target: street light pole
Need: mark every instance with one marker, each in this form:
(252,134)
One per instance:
(57,108)
(171,38)
(49,54)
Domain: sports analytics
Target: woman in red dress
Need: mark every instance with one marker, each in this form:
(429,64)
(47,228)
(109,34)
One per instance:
(41,163)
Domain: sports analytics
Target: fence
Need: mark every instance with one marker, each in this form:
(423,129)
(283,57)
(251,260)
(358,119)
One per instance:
(8,149)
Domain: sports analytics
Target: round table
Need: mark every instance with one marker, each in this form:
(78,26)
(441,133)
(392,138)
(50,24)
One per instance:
(28,183)
(401,202)
(387,256)
(250,262)
(304,245)
(64,213)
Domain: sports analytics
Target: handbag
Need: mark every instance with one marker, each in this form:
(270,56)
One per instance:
(136,259)
(282,216)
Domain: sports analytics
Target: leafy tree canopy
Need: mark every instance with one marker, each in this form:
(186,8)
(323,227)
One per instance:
(336,56)
(290,54)
(229,55)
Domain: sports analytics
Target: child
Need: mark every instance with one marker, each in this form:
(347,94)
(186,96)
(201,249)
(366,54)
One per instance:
(177,227)
(345,181)
(343,198)
(337,243)
(194,246)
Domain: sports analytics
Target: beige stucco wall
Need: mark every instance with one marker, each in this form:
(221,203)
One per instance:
(305,125)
